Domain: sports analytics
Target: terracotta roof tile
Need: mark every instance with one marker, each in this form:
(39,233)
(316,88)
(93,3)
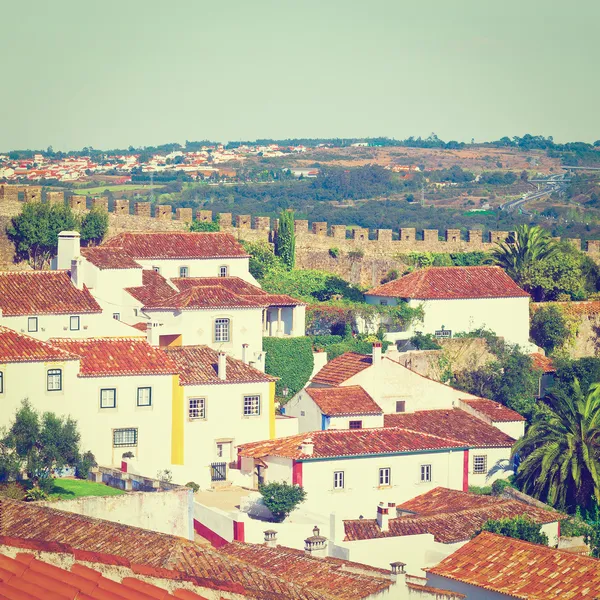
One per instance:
(343,367)
(43,292)
(117,356)
(495,411)
(587,308)
(452,423)
(349,400)
(197,365)
(203,297)
(449,515)
(178,244)
(543,363)
(522,570)
(105,257)
(333,443)
(447,283)
(154,288)
(16,347)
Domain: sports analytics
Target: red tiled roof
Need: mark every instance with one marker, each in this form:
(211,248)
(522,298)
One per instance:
(543,363)
(154,288)
(141,326)
(197,365)
(588,308)
(350,400)
(197,298)
(495,411)
(521,569)
(105,257)
(333,443)
(43,292)
(343,367)
(117,356)
(151,554)
(449,515)
(16,347)
(178,244)
(447,283)
(452,423)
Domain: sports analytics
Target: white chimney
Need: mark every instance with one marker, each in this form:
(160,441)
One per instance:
(152,336)
(271,538)
(397,569)
(383,517)
(77,272)
(316,545)
(376,354)
(68,249)
(245,353)
(307,447)
(222,366)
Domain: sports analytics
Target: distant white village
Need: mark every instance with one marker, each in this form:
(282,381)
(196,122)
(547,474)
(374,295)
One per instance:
(153,342)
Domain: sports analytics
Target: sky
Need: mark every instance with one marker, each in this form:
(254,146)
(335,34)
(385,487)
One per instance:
(129,72)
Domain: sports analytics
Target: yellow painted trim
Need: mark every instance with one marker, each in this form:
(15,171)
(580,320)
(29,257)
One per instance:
(177,422)
(271,410)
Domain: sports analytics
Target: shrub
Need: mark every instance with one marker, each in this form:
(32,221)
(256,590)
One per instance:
(520,528)
(13,490)
(205,226)
(334,252)
(391,275)
(193,486)
(281,498)
(85,463)
(356,254)
(424,341)
(499,486)
(262,259)
(164,476)
(291,360)
(35,494)
(550,328)
(480,491)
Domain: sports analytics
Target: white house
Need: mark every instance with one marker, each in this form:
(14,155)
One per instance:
(426,529)
(348,407)
(350,471)
(496,414)
(459,299)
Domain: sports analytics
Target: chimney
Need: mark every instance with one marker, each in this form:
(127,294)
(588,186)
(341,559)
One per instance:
(222,366)
(316,545)
(68,249)
(376,354)
(152,336)
(77,272)
(307,447)
(245,353)
(397,569)
(383,517)
(271,538)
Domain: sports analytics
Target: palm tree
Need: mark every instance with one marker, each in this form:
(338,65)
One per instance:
(527,246)
(560,451)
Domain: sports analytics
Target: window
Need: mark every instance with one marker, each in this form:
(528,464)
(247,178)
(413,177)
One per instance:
(480,464)
(221,330)
(425,473)
(125,437)
(385,476)
(197,408)
(117,316)
(223,271)
(338,480)
(400,406)
(1,382)
(144,396)
(32,324)
(251,406)
(355,424)
(54,380)
(74,323)
(183,272)
(383,302)
(108,398)
(156,269)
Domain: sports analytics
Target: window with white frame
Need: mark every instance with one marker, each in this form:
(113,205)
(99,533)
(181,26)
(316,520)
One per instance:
(184,272)
(117,316)
(425,473)
(251,406)
(54,380)
(108,398)
(125,437)
(338,480)
(1,382)
(32,324)
(480,464)
(223,271)
(74,323)
(144,396)
(197,408)
(385,476)
(221,330)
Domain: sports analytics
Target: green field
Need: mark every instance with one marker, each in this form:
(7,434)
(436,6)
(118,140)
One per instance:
(112,188)
(67,489)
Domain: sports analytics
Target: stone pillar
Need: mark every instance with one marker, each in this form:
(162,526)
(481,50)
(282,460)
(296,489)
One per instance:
(262,223)
(142,209)
(100,203)
(575,242)
(453,235)
(279,332)
(121,206)
(475,236)
(163,212)
(183,214)
(338,232)
(498,236)
(55,197)
(430,236)
(360,234)
(204,216)
(300,226)
(293,309)
(32,193)
(77,203)
(243,221)
(319,228)
(383,235)
(225,220)
(593,246)
(408,234)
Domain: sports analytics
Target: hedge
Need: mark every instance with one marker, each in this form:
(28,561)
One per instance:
(290,359)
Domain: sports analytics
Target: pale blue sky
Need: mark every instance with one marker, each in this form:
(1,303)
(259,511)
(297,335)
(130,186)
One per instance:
(119,72)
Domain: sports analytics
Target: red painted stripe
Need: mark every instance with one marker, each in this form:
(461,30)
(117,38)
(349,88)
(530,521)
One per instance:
(238,531)
(216,540)
(466,471)
(124,466)
(296,473)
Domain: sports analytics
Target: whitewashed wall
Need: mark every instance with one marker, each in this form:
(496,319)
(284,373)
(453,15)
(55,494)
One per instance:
(201,267)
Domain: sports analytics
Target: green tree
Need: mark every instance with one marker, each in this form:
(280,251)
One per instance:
(520,528)
(281,498)
(559,453)
(206,226)
(94,226)
(558,277)
(285,239)
(520,255)
(550,328)
(262,259)
(35,231)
